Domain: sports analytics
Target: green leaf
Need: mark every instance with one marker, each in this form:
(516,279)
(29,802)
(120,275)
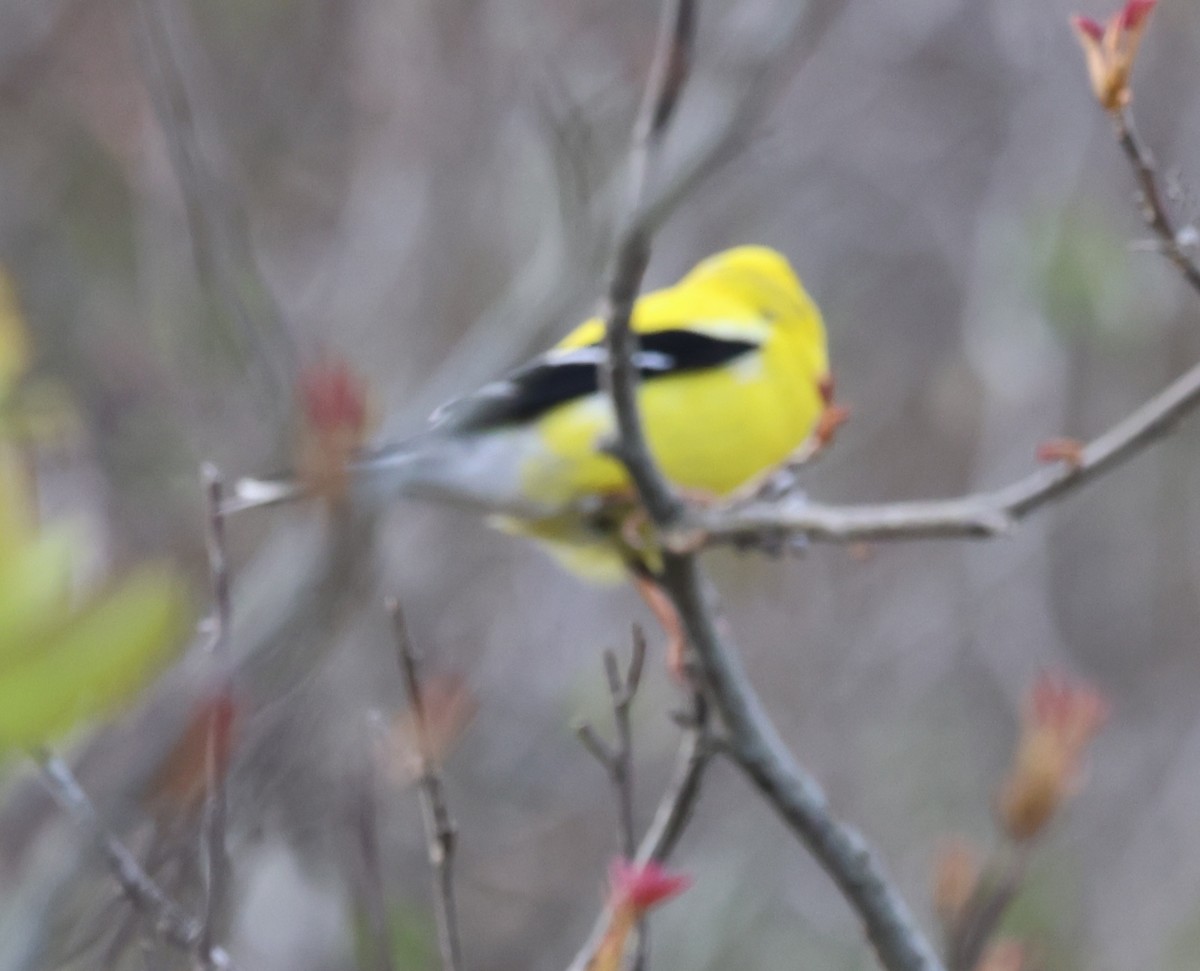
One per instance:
(35,588)
(97,660)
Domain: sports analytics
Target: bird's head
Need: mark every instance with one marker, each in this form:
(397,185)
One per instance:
(764,280)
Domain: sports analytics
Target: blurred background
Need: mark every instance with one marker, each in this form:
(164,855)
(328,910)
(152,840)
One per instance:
(199,198)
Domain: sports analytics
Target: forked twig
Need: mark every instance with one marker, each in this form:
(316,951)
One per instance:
(617,760)
(168,920)
(674,810)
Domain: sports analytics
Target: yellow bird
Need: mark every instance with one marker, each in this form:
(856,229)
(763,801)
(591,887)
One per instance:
(734,379)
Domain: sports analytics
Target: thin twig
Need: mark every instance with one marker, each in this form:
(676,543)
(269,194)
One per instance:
(439,827)
(168,920)
(672,815)
(982,914)
(617,759)
(365,871)
(1154,212)
(212,832)
(982,515)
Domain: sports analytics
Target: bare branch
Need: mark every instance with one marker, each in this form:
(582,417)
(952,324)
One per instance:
(982,515)
(169,921)
(365,875)
(754,742)
(673,814)
(439,827)
(617,759)
(981,916)
(212,831)
(1154,212)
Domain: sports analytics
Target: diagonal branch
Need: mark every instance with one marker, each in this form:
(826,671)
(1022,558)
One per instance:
(171,923)
(982,515)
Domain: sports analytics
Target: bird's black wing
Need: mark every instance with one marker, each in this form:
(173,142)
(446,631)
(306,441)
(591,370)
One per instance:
(568,374)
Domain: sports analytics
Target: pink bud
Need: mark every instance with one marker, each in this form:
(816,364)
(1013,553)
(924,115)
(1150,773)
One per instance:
(644,886)
(1085,25)
(1134,13)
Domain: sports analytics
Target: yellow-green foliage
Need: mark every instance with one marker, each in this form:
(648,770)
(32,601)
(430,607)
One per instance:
(64,658)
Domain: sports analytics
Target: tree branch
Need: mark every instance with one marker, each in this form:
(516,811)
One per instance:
(982,515)
(439,827)
(618,760)
(1154,212)
(170,922)
(216,856)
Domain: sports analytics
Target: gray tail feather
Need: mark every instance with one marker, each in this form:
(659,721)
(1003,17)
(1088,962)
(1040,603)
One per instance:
(369,471)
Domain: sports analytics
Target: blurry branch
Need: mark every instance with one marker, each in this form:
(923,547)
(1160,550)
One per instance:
(673,814)
(618,760)
(225,265)
(212,832)
(168,920)
(982,515)
(976,926)
(753,741)
(439,827)
(1060,718)
(1172,242)
(363,864)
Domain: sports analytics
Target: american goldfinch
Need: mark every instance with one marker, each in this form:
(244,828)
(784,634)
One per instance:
(734,379)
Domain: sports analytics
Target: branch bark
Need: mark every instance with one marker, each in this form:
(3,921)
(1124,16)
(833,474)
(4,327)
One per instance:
(980,516)
(1154,212)
(439,827)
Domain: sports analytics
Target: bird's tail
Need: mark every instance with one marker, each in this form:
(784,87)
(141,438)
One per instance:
(252,493)
(369,473)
